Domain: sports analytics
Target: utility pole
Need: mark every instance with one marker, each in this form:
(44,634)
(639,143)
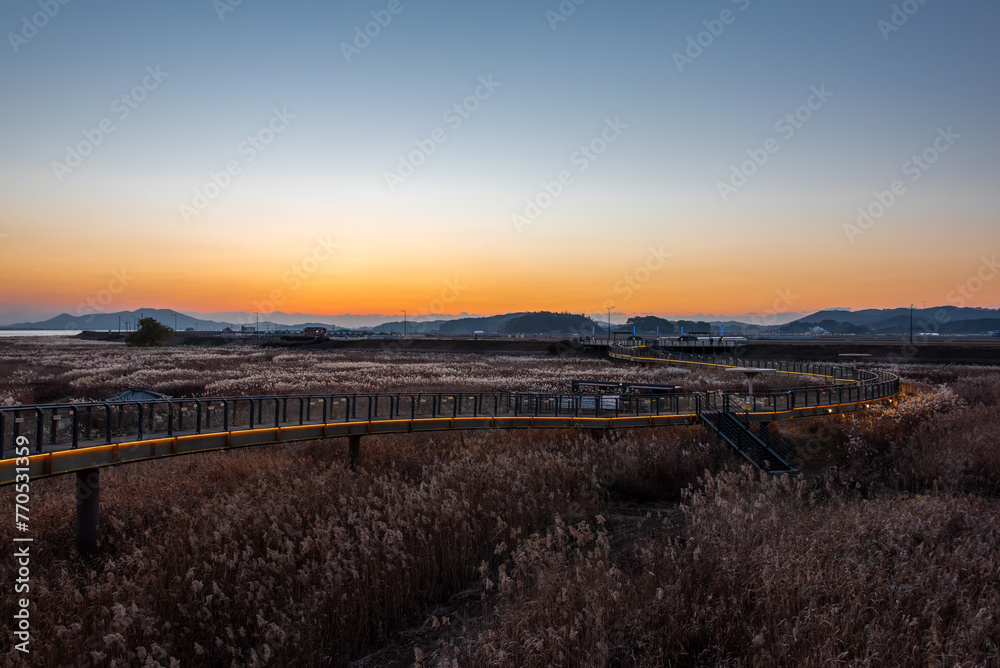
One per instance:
(911,324)
(609,325)
(404,322)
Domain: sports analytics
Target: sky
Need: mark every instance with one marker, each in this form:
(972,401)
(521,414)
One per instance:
(729,157)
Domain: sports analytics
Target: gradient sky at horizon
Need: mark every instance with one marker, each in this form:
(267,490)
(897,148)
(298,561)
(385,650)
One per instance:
(311,225)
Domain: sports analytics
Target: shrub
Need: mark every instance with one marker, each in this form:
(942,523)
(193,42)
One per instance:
(149,333)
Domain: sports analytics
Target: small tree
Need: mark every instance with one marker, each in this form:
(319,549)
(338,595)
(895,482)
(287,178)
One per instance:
(149,333)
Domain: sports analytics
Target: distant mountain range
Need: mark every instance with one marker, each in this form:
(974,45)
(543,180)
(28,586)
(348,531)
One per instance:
(936,320)
(942,320)
(125,320)
(219,320)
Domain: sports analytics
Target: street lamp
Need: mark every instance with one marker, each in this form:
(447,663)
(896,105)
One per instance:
(854,357)
(609,324)
(404,321)
(750,372)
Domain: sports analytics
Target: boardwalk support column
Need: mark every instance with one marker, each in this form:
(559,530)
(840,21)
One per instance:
(88,494)
(354,450)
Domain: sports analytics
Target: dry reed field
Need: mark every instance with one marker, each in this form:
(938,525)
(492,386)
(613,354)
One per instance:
(34,371)
(645,547)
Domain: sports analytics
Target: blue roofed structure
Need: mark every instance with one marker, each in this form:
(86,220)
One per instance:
(136,395)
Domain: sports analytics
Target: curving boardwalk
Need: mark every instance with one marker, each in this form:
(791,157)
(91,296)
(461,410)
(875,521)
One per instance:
(57,439)
(844,389)
(63,438)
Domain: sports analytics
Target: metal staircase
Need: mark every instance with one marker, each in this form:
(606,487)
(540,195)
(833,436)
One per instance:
(758,444)
(774,442)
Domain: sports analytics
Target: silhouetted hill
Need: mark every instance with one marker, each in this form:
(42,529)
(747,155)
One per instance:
(940,319)
(649,323)
(490,324)
(548,324)
(543,323)
(168,317)
(112,321)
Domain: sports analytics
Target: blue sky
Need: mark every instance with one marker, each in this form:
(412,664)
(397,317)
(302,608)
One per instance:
(557,86)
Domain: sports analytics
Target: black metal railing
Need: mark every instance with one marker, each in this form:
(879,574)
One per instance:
(60,426)
(52,426)
(844,385)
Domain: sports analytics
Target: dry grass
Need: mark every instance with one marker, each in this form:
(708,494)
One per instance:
(64,369)
(279,556)
(888,560)
(945,437)
(764,574)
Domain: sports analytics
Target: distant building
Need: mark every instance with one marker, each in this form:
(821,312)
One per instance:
(315,331)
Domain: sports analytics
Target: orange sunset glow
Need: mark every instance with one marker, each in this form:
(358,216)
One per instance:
(670,189)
